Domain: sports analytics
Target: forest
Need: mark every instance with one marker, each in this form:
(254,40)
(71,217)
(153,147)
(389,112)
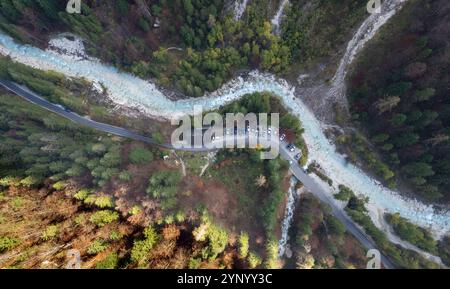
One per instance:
(210,46)
(127,205)
(315,30)
(355,206)
(86,179)
(191,46)
(402,100)
(62,185)
(320,240)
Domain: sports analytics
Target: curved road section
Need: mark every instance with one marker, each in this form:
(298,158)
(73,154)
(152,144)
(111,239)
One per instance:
(322,194)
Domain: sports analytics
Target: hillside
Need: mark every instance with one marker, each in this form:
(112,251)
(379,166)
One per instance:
(402,99)
(353,106)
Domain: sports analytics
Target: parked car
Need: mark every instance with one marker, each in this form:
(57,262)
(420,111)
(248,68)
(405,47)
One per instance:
(282,137)
(298,156)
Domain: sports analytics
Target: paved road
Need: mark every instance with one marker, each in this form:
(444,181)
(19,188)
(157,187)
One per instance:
(60,110)
(317,190)
(326,197)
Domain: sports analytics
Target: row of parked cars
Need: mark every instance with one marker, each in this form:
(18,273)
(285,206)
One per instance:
(246,131)
(292,148)
(249,130)
(258,131)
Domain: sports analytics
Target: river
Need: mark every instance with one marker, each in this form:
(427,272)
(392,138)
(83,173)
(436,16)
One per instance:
(129,91)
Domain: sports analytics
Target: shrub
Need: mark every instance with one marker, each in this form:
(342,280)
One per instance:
(7,243)
(96,247)
(272,261)
(29,181)
(104,202)
(412,233)
(335,226)
(157,136)
(243,245)
(141,248)
(253,260)
(125,176)
(59,185)
(168,219)
(90,199)
(305,261)
(218,239)
(357,204)
(180,216)
(139,156)
(104,217)
(110,262)
(80,219)
(143,24)
(344,194)
(50,232)
(194,263)
(81,195)
(135,210)
(9,181)
(17,202)
(115,235)
(163,185)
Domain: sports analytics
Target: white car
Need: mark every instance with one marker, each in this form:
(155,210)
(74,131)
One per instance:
(282,137)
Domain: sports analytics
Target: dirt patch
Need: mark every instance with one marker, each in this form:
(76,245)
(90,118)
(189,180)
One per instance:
(354,251)
(212,194)
(221,203)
